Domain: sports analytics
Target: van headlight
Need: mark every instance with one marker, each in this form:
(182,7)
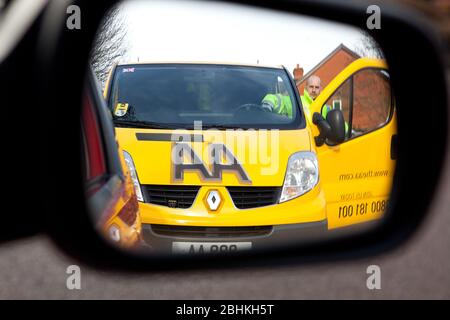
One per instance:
(134,178)
(302,174)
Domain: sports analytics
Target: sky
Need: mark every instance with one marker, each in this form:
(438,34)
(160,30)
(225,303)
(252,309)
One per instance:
(199,31)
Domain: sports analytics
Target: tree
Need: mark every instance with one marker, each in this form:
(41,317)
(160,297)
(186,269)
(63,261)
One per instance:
(368,47)
(109,45)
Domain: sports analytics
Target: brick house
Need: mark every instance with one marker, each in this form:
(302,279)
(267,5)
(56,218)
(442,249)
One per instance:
(328,68)
(372,95)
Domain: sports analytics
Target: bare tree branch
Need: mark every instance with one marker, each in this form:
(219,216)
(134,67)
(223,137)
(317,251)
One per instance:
(368,47)
(110,44)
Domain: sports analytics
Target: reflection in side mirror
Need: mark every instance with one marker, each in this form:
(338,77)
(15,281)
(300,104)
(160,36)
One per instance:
(218,150)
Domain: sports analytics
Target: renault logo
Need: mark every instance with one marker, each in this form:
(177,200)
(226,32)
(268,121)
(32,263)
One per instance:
(213,200)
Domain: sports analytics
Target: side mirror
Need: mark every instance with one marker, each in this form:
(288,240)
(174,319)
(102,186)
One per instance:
(331,129)
(324,128)
(59,75)
(335,118)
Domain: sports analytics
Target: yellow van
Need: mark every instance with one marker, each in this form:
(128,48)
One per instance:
(224,157)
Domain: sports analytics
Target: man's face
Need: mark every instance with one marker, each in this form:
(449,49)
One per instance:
(313,87)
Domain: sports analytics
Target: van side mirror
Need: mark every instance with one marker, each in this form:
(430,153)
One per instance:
(331,129)
(324,128)
(335,118)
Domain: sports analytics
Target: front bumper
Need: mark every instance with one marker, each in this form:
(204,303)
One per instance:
(162,237)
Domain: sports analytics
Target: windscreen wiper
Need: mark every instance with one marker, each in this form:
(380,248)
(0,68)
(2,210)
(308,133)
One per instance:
(141,124)
(218,126)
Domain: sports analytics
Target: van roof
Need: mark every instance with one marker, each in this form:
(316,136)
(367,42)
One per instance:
(203,62)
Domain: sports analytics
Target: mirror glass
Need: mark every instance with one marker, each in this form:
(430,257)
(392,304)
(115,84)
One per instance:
(211,128)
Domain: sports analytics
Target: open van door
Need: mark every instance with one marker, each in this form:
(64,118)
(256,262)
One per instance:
(357,174)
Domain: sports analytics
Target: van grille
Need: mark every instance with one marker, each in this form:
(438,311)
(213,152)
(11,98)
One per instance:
(183,196)
(254,197)
(210,232)
(171,196)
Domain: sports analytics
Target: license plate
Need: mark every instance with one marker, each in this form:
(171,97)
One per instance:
(209,247)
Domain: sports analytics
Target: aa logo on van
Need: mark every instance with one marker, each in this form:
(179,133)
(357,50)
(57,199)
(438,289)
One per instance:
(184,158)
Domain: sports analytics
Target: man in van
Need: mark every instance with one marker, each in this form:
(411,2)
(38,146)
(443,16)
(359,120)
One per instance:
(279,103)
(312,89)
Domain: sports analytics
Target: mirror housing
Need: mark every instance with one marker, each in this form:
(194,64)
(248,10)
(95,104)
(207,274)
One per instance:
(324,128)
(335,119)
(331,129)
(63,71)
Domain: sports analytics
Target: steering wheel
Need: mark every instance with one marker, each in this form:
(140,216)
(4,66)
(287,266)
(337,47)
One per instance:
(248,107)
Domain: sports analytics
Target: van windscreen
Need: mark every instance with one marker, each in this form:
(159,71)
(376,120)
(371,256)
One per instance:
(223,96)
